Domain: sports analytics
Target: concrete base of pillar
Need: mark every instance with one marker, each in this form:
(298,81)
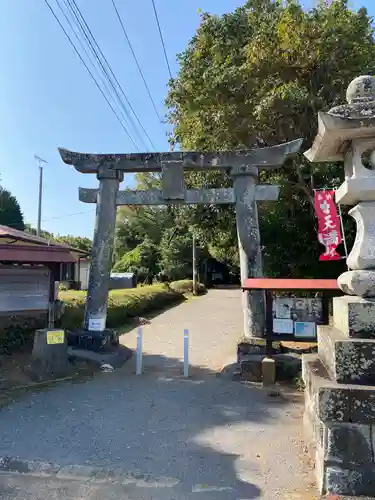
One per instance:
(339,427)
(116,358)
(49,358)
(93,341)
(282,367)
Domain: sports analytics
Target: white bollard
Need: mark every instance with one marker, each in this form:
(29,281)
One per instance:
(186,353)
(138,369)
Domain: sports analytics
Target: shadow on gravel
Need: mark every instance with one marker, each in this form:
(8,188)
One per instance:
(157,423)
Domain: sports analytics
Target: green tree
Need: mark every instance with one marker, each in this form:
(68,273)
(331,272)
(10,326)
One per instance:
(43,234)
(78,242)
(142,260)
(260,75)
(176,254)
(10,211)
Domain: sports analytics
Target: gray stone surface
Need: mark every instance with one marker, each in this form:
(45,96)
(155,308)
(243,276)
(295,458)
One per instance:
(354,316)
(251,367)
(269,157)
(362,255)
(353,191)
(337,402)
(347,360)
(348,444)
(217,196)
(360,283)
(287,366)
(116,358)
(173,185)
(249,251)
(202,437)
(48,360)
(361,88)
(350,481)
(342,452)
(102,250)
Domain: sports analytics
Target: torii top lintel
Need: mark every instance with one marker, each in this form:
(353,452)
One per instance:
(268,157)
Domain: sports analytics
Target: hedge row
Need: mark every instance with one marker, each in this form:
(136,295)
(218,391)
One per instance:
(122,304)
(186,286)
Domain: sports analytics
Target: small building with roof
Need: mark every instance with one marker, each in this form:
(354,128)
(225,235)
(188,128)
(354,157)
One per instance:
(30,266)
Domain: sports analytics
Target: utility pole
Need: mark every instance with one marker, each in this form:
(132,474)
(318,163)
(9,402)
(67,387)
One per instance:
(195,291)
(40,162)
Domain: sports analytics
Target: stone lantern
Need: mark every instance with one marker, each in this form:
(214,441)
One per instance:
(340,380)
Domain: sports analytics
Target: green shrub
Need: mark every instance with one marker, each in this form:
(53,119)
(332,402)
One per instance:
(186,286)
(18,331)
(122,304)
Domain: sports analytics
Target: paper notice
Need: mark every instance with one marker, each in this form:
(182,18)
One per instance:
(304,329)
(97,324)
(283,308)
(283,326)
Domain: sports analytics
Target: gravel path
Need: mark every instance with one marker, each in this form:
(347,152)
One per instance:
(158,435)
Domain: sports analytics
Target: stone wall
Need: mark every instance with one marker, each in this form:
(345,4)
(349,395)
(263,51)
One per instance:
(339,427)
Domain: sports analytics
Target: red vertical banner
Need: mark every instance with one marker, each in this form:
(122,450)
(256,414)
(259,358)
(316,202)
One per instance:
(329,231)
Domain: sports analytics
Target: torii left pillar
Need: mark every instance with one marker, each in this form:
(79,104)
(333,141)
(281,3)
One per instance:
(102,249)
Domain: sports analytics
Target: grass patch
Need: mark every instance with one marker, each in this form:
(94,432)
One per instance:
(186,286)
(123,305)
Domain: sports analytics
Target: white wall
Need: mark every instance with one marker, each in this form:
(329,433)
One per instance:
(84,270)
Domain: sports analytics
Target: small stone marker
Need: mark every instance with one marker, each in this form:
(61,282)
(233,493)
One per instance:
(268,372)
(49,356)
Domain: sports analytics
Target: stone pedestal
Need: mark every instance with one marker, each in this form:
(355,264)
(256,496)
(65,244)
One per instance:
(339,425)
(340,380)
(340,399)
(49,357)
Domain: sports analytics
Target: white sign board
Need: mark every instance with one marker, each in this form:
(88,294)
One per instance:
(96,324)
(283,326)
(304,329)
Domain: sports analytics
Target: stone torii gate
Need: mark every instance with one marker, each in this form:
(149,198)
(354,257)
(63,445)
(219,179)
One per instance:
(244,168)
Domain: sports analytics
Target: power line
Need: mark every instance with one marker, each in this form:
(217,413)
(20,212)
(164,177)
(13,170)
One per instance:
(161,38)
(89,57)
(69,215)
(88,70)
(86,27)
(65,216)
(136,60)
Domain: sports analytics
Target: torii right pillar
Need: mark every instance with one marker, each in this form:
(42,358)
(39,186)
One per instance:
(340,380)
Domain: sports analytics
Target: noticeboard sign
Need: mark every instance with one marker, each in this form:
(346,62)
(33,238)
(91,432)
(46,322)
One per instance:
(297,317)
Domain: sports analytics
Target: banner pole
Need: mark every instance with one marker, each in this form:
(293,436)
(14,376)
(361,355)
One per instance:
(343,232)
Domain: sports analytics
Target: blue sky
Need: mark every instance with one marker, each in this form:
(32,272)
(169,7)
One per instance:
(47,99)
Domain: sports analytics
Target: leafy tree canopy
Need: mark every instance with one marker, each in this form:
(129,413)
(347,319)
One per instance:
(78,242)
(143,260)
(10,211)
(257,76)
(176,254)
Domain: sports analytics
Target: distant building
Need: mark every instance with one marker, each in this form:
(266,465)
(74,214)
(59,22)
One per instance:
(29,268)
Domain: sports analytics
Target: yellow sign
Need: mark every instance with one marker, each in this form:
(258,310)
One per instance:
(55,337)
